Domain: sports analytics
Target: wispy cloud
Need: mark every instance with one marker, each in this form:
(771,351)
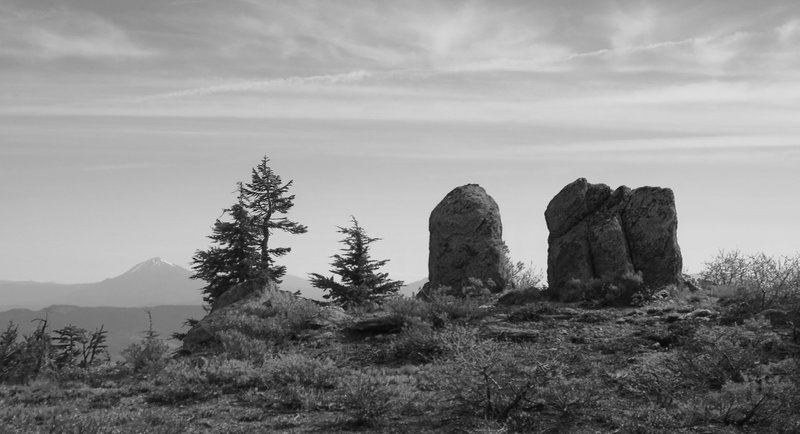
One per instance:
(53,35)
(123,166)
(266,85)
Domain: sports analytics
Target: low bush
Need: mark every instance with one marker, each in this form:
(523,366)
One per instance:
(303,370)
(148,356)
(484,377)
(453,309)
(370,396)
(619,290)
(749,284)
(416,344)
(762,402)
(411,309)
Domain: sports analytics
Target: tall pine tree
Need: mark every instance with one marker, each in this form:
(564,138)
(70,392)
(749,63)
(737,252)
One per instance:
(268,200)
(359,278)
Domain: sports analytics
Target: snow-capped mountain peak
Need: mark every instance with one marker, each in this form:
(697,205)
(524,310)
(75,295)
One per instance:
(150,264)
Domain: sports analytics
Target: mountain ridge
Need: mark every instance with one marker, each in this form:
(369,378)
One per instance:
(153,282)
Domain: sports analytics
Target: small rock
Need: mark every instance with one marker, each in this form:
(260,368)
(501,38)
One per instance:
(377,325)
(701,313)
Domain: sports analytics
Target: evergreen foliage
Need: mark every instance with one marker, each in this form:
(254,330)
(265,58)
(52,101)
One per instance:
(234,258)
(75,346)
(359,278)
(241,250)
(149,355)
(23,360)
(268,200)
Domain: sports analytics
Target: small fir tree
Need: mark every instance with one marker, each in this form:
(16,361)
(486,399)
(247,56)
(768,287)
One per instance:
(234,258)
(268,200)
(359,278)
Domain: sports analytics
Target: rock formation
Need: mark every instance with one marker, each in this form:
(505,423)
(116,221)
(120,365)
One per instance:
(227,310)
(466,242)
(596,233)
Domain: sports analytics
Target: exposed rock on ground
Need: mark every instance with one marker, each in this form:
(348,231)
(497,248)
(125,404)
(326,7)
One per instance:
(598,233)
(377,325)
(231,304)
(466,242)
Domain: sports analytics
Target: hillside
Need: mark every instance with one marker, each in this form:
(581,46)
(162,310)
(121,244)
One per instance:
(684,363)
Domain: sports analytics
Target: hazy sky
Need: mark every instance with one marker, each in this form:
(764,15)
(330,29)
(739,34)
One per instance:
(125,125)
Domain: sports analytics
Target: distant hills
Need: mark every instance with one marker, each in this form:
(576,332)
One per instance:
(150,283)
(124,324)
(120,304)
(154,282)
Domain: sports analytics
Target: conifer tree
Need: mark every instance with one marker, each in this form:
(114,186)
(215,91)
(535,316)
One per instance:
(241,250)
(268,200)
(234,257)
(359,278)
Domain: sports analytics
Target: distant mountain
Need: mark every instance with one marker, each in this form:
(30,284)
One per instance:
(154,282)
(150,283)
(411,289)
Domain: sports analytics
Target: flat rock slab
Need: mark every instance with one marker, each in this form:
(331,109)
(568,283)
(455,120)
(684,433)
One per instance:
(377,325)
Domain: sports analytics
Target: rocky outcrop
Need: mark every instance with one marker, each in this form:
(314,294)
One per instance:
(466,242)
(204,334)
(599,233)
(239,303)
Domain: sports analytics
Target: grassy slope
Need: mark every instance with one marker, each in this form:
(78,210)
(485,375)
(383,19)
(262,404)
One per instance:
(649,369)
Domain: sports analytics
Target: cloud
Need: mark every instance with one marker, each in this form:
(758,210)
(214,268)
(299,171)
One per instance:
(266,85)
(124,166)
(55,35)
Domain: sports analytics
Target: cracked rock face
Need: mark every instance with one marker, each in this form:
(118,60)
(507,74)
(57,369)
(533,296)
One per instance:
(466,241)
(596,232)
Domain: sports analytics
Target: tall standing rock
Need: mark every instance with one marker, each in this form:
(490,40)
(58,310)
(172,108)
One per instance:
(466,241)
(596,233)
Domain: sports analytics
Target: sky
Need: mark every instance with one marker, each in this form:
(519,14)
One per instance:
(125,126)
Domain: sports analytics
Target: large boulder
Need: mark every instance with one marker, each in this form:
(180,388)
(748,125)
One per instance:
(597,233)
(466,242)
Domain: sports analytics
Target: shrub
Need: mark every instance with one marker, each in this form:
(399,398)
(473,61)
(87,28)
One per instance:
(717,355)
(752,401)
(523,276)
(411,309)
(417,343)
(460,309)
(178,383)
(483,376)
(22,360)
(367,397)
(758,281)
(148,356)
(76,347)
(610,290)
(256,328)
(302,370)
